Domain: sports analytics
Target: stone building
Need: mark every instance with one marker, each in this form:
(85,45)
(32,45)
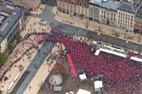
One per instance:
(138,20)
(126,16)
(120,14)
(74,7)
(10,23)
(28,4)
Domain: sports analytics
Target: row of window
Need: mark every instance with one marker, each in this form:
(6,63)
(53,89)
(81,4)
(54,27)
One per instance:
(122,23)
(124,19)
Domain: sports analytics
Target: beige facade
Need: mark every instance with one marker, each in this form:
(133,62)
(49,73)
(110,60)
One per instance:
(114,17)
(138,25)
(125,20)
(79,10)
(73,9)
(28,4)
(94,12)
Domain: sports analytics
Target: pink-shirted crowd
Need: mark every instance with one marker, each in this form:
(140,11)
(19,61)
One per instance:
(116,71)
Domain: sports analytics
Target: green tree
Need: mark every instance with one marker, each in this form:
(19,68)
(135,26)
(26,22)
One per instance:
(18,36)
(3,58)
(10,47)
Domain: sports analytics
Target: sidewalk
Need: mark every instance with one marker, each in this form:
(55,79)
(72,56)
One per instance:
(14,73)
(96,27)
(39,78)
(34,25)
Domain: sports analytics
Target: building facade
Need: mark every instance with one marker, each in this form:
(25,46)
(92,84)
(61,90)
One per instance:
(138,20)
(11,23)
(119,14)
(138,25)
(74,7)
(126,16)
(28,4)
(94,12)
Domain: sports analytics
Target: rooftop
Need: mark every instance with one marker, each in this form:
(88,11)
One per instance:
(139,12)
(9,15)
(110,5)
(127,6)
(115,5)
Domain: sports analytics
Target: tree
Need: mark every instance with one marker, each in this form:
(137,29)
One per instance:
(20,67)
(18,36)
(139,38)
(3,58)
(10,47)
(99,28)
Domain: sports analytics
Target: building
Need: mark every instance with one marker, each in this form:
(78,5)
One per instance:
(28,4)
(73,7)
(126,16)
(103,11)
(119,14)
(94,12)
(10,23)
(138,20)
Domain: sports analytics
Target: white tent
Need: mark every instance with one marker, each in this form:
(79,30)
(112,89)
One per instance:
(82,91)
(82,77)
(97,52)
(55,79)
(136,59)
(98,85)
(113,52)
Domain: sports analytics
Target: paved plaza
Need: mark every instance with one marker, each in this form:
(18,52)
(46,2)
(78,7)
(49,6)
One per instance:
(20,59)
(31,55)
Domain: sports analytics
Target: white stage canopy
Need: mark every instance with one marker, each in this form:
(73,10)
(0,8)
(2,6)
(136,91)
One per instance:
(83,76)
(97,52)
(82,91)
(98,84)
(136,59)
(113,52)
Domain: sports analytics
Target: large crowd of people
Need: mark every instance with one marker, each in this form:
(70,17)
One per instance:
(116,71)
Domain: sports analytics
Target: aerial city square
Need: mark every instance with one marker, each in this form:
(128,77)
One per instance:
(70,46)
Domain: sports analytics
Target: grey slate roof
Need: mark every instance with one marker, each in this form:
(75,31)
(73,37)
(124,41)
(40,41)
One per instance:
(127,6)
(10,21)
(110,5)
(114,5)
(139,12)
